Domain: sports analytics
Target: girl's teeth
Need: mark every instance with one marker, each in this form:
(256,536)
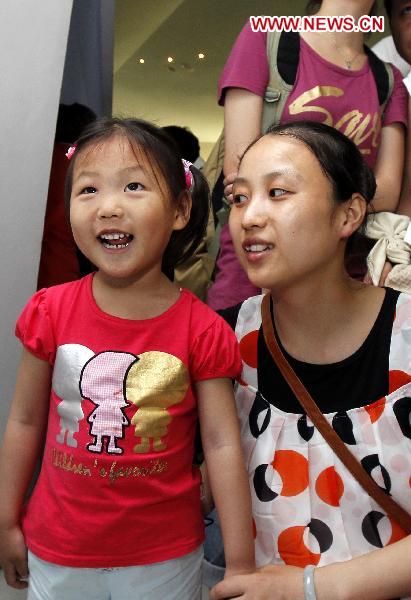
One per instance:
(115,245)
(113,236)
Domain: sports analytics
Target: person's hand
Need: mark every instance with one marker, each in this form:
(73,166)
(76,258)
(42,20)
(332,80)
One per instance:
(387,268)
(273,582)
(384,273)
(228,186)
(13,557)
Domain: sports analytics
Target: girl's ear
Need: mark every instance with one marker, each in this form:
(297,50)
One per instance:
(353,212)
(182,211)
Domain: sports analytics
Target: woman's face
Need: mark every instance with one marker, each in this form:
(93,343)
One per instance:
(285,225)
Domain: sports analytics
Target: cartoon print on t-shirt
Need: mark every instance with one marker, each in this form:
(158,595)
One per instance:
(70,359)
(102,381)
(155,382)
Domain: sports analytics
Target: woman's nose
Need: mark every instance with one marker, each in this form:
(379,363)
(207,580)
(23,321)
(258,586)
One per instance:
(254,214)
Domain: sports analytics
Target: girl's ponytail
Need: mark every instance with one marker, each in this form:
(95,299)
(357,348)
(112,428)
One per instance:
(184,242)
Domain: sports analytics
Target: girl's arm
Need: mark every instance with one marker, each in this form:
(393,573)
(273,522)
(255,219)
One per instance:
(389,168)
(220,437)
(379,575)
(21,447)
(242,124)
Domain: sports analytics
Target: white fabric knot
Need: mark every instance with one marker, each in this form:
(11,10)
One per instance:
(390,230)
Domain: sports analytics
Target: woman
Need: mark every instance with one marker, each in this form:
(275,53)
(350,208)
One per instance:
(334,85)
(301,193)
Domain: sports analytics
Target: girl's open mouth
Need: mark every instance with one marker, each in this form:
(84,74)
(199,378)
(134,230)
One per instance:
(115,240)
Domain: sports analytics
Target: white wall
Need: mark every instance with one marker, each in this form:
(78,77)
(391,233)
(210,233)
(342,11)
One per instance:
(33,38)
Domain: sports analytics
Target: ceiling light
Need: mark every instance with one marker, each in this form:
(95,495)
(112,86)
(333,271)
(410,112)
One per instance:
(142,61)
(170,59)
(201,55)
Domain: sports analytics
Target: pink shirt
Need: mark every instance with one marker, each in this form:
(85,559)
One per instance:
(343,98)
(117,485)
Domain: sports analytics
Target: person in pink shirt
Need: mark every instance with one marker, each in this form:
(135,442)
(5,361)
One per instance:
(334,85)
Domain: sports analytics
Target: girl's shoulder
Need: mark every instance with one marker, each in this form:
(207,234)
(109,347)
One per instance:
(205,323)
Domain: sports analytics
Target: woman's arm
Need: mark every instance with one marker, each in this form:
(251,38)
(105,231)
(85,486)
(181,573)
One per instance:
(379,575)
(404,207)
(389,168)
(242,124)
(21,447)
(220,437)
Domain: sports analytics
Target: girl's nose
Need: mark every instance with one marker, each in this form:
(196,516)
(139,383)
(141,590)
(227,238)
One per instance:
(110,206)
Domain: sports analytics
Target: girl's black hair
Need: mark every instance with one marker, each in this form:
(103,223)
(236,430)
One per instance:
(314,5)
(151,143)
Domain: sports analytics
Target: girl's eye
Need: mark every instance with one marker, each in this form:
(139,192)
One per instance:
(239,198)
(275,192)
(406,11)
(134,186)
(88,190)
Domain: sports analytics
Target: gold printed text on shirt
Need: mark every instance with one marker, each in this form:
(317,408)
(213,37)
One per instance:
(156,381)
(354,124)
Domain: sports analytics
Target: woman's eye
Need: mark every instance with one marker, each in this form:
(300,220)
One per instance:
(134,186)
(88,190)
(406,11)
(239,198)
(275,192)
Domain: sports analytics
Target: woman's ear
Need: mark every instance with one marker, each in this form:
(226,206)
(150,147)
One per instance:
(352,215)
(182,211)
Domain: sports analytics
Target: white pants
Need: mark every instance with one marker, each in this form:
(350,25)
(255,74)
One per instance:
(177,579)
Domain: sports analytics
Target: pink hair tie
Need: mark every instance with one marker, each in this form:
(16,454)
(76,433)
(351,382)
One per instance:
(189,176)
(70,152)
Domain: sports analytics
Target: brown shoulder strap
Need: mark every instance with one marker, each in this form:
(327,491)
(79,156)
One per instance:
(320,422)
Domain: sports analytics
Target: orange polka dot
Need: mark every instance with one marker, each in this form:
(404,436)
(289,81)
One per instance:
(293,469)
(292,549)
(329,486)
(397,379)
(375,409)
(248,349)
(396,532)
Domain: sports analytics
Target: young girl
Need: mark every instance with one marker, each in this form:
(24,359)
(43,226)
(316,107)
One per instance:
(300,194)
(122,362)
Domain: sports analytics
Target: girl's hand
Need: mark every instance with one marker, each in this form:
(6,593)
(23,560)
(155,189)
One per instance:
(13,557)
(273,582)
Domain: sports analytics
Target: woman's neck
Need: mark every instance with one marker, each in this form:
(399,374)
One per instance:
(344,48)
(355,8)
(327,322)
(136,300)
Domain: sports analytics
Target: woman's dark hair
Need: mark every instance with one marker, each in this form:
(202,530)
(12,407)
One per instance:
(152,144)
(388,8)
(314,5)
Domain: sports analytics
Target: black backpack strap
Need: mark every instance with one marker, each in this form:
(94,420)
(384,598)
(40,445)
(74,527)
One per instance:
(288,56)
(383,76)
